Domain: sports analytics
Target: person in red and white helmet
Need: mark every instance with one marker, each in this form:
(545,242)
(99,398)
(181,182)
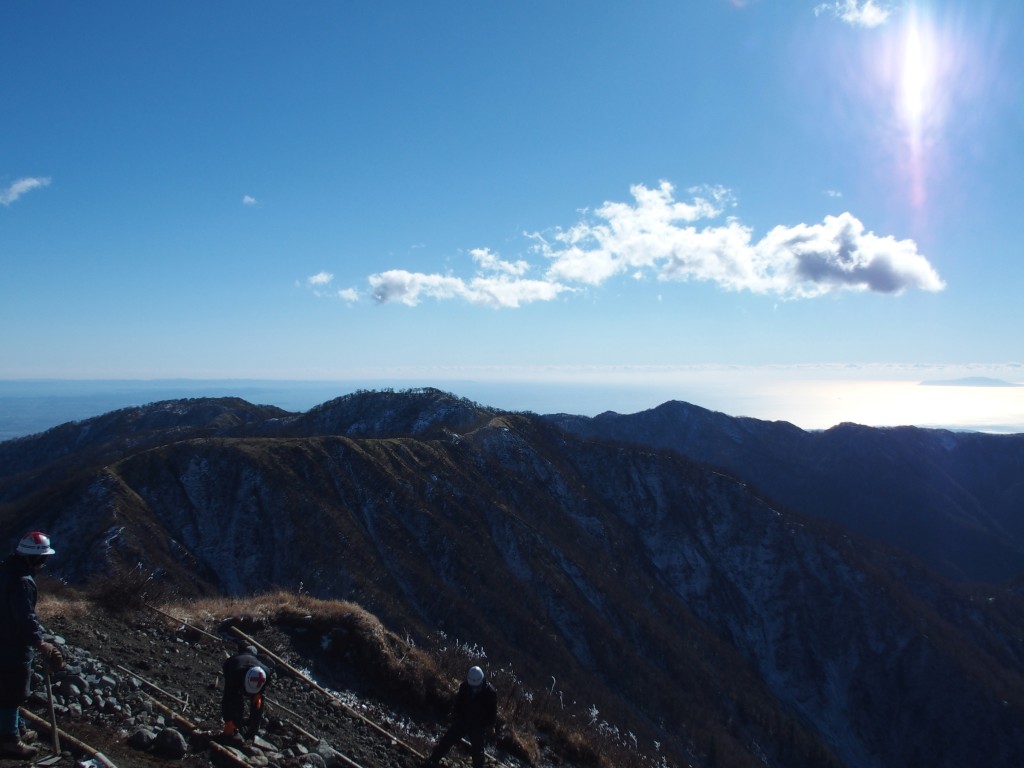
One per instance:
(245,677)
(21,636)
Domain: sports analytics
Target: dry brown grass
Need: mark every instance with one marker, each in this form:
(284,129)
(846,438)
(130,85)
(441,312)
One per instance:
(356,638)
(268,608)
(521,744)
(63,606)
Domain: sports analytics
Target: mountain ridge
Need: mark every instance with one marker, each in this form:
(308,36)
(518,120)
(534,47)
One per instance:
(681,597)
(869,479)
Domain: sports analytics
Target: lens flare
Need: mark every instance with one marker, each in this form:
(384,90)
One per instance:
(917,80)
(931,70)
(919,103)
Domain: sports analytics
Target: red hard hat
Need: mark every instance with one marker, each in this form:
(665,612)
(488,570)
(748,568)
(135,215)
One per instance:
(34,543)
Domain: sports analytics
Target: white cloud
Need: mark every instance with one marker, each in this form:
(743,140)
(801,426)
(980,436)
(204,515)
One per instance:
(814,259)
(318,282)
(629,236)
(490,261)
(318,286)
(249,200)
(498,283)
(410,287)
(658,236)
(20,187)
(859,13)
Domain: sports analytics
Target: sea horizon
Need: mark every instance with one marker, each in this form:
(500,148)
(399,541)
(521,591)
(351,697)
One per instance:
(882,396)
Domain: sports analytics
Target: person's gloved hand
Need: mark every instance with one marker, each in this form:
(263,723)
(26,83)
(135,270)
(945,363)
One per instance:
(52,658)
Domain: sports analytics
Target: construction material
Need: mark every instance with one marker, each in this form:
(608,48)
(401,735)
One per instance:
(316,686)
(184,623)
(70,740)
(305,678)
(217,747)
(224,751)
(190,727)
(154,686)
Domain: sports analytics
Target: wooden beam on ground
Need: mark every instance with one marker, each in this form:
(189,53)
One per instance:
(222,750)
(185,623)
(316,686)
(81,746)
(190,727)
(154,686)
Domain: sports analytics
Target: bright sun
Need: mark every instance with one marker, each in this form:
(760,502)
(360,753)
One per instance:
(918,80)
(914,65)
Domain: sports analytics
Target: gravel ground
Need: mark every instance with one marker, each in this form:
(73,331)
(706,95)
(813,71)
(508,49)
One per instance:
(114,663)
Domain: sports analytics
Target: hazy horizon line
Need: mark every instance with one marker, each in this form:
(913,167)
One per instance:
(810,397)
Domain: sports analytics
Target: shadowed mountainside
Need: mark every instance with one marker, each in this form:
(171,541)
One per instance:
(955,500)
(670,596)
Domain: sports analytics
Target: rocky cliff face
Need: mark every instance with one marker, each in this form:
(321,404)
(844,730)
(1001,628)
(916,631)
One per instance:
(674,597)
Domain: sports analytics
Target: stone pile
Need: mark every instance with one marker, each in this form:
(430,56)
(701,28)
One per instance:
(90,690)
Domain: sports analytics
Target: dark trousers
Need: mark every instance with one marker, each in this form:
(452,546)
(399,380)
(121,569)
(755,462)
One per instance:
(15,687)
(15,683)
(451,738)
(232,707)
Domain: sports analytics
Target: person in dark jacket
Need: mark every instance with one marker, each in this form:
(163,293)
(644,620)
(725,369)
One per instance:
(245,677)
(20,637)
(474,715)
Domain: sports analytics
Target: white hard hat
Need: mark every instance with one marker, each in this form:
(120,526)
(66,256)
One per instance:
(255,679)
(475,676)
(34,543)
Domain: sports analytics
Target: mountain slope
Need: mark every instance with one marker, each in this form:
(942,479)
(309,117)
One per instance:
(952,499)
(671,597)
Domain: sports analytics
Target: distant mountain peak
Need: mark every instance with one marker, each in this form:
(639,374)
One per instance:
(388,413)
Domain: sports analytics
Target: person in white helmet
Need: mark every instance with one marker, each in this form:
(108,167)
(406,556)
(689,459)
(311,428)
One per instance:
(474,715)
(21,637)
(245,677)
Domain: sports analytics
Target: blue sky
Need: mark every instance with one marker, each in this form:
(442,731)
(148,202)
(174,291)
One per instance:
(592,193)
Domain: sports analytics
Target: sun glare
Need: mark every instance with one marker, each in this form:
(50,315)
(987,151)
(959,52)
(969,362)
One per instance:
(918,98)
(917,80)
(919,62)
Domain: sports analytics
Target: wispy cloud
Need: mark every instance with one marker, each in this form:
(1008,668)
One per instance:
(490,261)
(20,187)
(249,200)
(657,236)
(318,283)
(859,13)
(320,278)
(495,291)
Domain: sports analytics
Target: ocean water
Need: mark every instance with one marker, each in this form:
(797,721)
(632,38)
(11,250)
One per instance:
(814,401)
